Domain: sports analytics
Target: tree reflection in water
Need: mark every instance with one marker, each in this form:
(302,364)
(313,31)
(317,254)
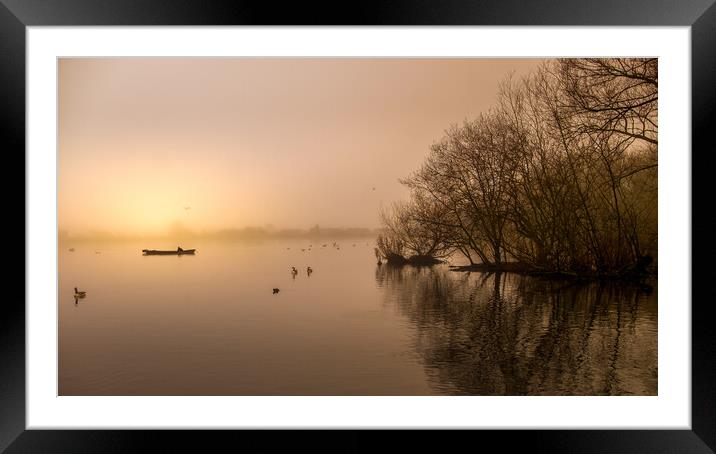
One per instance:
(506,334)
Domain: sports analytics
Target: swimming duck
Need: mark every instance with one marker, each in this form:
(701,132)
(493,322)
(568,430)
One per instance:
(276,291)
(79,294)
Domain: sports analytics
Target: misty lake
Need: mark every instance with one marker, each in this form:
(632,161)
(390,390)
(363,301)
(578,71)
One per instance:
(210,324)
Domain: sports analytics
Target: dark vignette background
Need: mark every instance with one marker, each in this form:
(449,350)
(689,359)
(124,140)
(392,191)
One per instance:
(15,15)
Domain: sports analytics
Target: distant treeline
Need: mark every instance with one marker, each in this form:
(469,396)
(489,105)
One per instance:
(559,176)
(246,233)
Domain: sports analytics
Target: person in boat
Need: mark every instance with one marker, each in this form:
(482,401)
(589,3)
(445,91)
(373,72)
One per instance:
(179,249)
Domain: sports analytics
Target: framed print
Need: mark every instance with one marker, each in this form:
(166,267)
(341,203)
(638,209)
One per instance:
(412,217)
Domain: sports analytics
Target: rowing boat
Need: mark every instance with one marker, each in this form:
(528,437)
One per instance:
(175,252)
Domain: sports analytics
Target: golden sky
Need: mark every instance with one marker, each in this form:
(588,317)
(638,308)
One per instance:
(253,141)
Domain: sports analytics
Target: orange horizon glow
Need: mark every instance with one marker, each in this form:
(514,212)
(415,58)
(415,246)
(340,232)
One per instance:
(253,142)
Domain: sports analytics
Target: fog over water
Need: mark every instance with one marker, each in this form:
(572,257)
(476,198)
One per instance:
(263,165)
(229,143)
(209,324)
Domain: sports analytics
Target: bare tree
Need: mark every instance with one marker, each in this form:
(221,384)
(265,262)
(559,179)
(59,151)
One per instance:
(616,95)
(560,175)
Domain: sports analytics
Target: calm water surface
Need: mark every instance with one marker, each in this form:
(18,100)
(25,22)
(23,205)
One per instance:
(210,325)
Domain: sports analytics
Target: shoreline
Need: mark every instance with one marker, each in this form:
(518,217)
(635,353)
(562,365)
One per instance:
(521,268)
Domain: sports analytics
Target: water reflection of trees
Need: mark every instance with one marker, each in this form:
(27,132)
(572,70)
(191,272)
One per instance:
(492,334)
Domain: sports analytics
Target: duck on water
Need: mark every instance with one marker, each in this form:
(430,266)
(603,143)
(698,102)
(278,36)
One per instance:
(79,295)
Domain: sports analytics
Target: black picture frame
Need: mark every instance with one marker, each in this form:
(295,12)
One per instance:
(700,15)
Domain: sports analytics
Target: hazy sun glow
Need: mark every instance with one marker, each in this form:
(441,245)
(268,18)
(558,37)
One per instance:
(216,143)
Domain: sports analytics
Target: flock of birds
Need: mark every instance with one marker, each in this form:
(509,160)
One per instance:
(335,246)
(294,272)
(309,270)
